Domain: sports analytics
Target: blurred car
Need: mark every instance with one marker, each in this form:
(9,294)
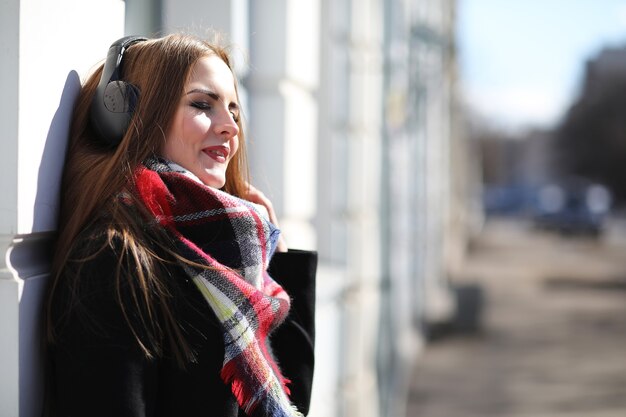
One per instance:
(572,207)
(511,200)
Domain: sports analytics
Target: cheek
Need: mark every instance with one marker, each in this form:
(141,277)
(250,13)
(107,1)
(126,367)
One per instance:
(169,147)
(175,133)
(198,123)
(191,126)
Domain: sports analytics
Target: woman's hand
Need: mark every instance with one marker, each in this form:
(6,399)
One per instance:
(256,196)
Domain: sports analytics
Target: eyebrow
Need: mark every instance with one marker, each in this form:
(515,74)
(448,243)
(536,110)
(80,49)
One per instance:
(214,96)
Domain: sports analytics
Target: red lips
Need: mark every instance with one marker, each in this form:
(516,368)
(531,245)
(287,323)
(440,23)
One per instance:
(218,153)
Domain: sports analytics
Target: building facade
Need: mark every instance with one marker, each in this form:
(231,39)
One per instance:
(354,135)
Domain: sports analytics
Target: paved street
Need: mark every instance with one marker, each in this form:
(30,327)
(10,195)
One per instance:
(553,342)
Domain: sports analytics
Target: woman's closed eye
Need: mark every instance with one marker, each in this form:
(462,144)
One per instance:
(204,106)
(201,105)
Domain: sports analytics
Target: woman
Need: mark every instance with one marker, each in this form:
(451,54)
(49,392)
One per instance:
(161,303)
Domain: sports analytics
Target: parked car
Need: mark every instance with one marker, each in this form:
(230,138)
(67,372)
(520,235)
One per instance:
(572,207)
(512,200)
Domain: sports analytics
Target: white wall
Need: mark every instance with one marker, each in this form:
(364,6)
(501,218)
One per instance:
(282,83)
(206,17)
(349,169)
(48,45)
(417,186)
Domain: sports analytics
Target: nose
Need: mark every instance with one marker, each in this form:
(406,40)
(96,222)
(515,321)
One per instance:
(226,125)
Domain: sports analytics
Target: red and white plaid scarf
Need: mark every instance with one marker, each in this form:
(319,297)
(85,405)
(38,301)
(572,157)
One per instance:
(234,241)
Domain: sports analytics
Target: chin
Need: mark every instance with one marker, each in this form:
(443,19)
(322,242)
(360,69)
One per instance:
(214,182)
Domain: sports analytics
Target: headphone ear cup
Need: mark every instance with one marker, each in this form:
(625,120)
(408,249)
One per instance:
(111,117)
(114,100)
(121,97)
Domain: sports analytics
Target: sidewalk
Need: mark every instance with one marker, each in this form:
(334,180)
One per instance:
(553,342)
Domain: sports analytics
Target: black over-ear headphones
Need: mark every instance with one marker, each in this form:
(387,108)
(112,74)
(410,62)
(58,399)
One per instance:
(115,100)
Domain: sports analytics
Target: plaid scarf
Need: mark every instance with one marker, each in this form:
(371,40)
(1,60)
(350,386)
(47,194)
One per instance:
(233,241)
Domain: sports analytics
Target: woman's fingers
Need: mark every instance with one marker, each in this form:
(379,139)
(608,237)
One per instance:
(254,195)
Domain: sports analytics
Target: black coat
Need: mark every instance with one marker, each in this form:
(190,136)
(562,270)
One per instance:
(98,369)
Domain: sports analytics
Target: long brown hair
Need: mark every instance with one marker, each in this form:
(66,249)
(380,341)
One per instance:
(94,177)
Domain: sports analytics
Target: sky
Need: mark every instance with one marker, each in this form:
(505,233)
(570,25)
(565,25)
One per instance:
(522,61)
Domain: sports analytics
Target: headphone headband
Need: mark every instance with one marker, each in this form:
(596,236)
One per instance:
(114,102)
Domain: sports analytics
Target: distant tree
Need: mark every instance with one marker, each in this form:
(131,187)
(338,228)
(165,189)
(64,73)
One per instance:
(591,140)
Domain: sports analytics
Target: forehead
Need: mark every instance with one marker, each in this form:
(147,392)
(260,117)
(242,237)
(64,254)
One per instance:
(212,72)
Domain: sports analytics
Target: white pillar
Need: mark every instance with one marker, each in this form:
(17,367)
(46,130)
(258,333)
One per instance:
(45,46)
(349,169)
(365,74)
(204,18)
(282,85)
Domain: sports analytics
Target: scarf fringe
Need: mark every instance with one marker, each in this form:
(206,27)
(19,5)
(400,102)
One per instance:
(250,401)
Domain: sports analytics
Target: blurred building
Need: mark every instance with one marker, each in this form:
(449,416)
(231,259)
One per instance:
(603,69)
(526,158)
(354,133)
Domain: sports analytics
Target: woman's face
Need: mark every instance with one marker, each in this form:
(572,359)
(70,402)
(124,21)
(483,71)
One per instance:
(203,135)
